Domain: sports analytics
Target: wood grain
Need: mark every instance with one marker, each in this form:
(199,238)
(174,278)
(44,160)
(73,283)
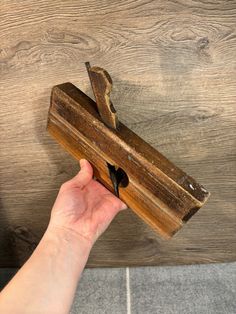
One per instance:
(158,191)
(173,66)
(101,83)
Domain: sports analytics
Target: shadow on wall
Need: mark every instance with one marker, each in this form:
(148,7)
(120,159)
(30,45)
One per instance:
(6,275)
(17,242)
(7,242)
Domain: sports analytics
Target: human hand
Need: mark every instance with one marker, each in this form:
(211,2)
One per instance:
(82,211)
(83,206)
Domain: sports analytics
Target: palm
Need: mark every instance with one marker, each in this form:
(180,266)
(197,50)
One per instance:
(84,206)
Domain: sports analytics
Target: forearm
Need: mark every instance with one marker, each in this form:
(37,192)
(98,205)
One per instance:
(47,281)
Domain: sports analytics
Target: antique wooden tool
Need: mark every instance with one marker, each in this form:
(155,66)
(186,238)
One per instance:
(160,193)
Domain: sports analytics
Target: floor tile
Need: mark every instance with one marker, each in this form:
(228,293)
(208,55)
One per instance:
(198,289)
(101,291)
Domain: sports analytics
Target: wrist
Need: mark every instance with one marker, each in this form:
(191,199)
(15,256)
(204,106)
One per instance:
(63,236)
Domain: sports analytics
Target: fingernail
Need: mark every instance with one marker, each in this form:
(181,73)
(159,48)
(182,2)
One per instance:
(82,162)
(123,206)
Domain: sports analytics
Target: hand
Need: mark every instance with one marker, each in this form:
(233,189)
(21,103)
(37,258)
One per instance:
(82,211)
(83,206)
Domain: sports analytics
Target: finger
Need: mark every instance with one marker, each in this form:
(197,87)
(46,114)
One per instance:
(123,206)
(84,176)
(111,206)
(106,213)
(117,204)
(100,189)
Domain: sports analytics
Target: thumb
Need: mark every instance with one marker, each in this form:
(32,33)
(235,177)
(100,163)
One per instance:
(84,176)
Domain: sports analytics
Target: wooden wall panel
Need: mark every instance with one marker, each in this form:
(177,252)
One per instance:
(173,65)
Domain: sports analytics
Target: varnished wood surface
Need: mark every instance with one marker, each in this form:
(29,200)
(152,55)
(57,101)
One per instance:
(173,65)
(101,84)
(160,193)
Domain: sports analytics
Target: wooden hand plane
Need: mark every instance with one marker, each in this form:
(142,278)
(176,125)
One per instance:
(160,193)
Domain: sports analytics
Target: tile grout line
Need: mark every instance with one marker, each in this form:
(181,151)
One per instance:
(128,291)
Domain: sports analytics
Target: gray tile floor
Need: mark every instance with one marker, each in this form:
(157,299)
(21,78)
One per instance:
(200,289)
(197,289)
(101,291)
